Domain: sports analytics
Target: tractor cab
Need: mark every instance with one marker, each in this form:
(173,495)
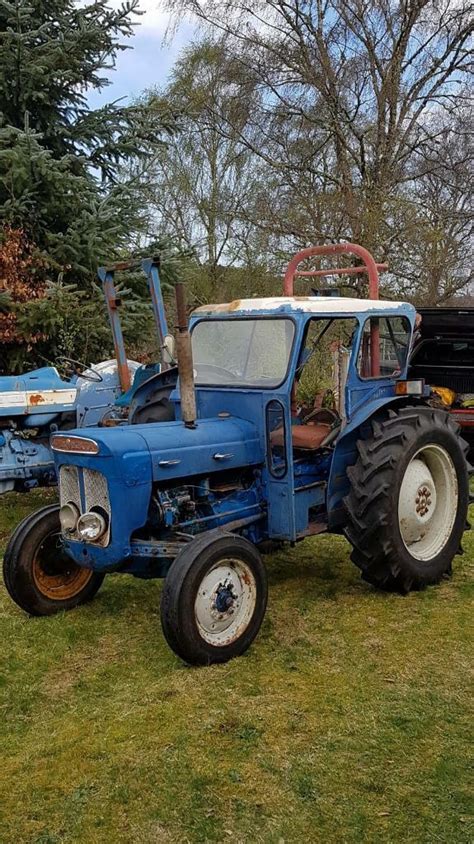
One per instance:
(301,369)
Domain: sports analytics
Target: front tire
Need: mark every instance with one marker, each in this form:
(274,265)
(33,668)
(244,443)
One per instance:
(38,574)
(214,599)
(407,507)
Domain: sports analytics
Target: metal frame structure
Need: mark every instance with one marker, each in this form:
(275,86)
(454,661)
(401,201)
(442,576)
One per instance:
(151,268)
(368,267)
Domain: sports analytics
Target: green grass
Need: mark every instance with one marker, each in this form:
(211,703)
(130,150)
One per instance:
(347,721)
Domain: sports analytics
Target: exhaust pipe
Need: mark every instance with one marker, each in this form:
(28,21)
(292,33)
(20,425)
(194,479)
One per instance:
(185,360)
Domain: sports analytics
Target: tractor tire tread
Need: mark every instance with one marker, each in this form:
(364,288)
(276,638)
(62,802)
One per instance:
(378,549)
(14,571)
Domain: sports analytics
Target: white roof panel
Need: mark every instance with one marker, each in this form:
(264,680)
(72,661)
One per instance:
(306,304)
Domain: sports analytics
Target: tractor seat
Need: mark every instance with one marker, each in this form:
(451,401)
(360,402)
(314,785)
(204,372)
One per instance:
(307,437)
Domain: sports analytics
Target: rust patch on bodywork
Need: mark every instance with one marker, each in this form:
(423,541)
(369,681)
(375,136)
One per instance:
(223,308)
(35,399)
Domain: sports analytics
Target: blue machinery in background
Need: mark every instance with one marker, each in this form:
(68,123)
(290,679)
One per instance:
(37,403)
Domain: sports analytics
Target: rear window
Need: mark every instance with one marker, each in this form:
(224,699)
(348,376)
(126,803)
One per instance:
(438,352)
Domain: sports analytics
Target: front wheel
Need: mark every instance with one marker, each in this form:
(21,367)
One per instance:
(214,599)
(407,507)
(38,574)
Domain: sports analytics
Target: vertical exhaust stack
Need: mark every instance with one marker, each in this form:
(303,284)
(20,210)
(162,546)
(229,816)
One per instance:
(185,360)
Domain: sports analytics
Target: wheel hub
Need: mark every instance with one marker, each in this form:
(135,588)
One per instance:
(417,500)
(225,601)
(427,502)
(225,597)
(423,500)
(55,575)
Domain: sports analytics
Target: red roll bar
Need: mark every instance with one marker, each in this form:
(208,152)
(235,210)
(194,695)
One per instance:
(369,266)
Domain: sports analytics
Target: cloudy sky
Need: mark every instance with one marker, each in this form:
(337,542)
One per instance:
(150,60)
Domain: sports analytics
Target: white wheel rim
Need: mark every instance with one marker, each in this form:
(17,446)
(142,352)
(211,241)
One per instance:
(427,504)
(225,602)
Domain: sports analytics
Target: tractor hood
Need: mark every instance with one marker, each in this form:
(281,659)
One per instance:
(176,451)
(220,443)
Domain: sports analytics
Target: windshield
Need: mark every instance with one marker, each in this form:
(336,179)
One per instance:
(242,352)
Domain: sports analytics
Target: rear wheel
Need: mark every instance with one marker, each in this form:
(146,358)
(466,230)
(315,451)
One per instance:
(38,574)
(407,507)
(214,599)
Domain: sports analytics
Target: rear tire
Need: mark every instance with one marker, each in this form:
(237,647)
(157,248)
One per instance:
(407,507)
(38,574)
(214,599)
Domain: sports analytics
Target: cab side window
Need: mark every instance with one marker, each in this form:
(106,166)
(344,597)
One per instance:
(324,362)
(384,347)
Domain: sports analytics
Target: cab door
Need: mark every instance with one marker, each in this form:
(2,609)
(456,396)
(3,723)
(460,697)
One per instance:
(381,360)
(279,468)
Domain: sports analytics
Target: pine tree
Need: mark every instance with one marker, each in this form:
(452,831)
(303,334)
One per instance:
(71,177)
(62,164)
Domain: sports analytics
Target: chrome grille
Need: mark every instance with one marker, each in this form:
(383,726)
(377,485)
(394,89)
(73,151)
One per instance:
(69,486)
(96,494)
(95,490)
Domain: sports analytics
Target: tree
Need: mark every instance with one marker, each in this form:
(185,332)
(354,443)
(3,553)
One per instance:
(351,92)
(204,178)
(71,177)
(19,267)
(62,164)
(438,262)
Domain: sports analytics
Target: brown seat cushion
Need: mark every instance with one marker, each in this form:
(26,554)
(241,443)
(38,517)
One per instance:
(303,436)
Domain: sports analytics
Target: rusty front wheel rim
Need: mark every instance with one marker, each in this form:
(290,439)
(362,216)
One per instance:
(66,583)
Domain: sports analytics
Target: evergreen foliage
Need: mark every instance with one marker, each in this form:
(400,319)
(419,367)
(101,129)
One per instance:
(62,164)
(71,177)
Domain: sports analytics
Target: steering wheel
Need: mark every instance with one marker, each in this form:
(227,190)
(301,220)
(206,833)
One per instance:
(87,372)
(215,368)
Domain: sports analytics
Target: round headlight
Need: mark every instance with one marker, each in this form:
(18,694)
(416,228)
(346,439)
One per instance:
(68,516)
(91,526)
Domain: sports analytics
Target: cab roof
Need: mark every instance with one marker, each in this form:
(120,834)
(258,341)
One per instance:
(305,304)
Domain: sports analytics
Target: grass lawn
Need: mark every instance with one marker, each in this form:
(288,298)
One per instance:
(348,720)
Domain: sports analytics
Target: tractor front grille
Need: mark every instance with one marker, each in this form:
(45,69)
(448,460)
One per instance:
(96,492)
(69,486)
(87,489)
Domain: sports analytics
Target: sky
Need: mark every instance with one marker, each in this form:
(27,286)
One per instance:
(151,59)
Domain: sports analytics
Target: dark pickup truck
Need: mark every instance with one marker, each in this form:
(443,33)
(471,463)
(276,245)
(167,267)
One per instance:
(443,354)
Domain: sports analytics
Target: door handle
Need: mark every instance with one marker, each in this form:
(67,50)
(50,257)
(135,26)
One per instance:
(218,456)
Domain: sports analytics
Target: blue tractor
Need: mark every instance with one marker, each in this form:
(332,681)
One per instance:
(40,402)
(245,464)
